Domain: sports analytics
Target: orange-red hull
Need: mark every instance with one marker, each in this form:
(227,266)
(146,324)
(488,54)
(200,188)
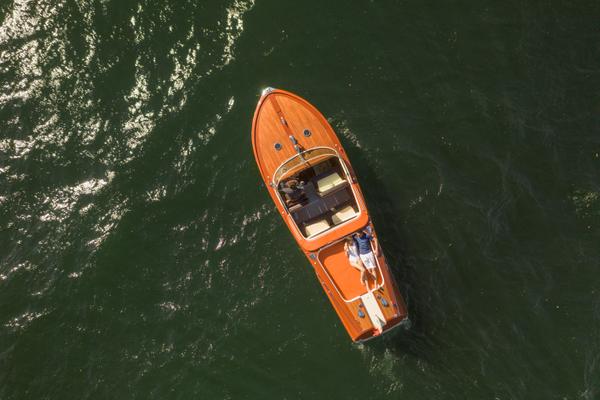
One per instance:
(277,136)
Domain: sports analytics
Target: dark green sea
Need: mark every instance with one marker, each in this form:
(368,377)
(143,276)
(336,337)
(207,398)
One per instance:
(141,257)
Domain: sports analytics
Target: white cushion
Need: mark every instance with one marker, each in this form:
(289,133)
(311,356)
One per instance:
(329,182)
(343,215)
(317,227)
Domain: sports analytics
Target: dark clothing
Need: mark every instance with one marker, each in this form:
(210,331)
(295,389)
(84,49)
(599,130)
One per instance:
(364,244)
(288,190)
(294,193)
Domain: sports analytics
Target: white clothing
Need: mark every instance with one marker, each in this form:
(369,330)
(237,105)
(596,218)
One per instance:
(352,252)
(369,260)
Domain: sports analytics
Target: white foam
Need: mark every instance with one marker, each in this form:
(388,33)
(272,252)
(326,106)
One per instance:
(345,130)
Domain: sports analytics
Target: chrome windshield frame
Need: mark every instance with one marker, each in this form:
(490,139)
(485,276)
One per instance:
(275,186)
(300,155)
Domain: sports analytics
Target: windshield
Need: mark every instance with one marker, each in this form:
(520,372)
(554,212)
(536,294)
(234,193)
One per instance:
(306,159)
(315,189)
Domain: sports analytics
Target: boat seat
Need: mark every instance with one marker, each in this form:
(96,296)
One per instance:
(316,227)
(294,207)
(329,182)
(343,215)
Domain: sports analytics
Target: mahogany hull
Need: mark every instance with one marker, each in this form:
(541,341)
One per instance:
(280,115)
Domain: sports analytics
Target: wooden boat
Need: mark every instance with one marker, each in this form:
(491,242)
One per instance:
(323,206)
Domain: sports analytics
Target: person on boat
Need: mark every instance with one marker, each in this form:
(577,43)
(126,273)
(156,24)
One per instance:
(351,250)
(363,241)
(294,191)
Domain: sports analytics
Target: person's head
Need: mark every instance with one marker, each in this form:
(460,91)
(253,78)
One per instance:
(349,240)
(292,183)
(362,234)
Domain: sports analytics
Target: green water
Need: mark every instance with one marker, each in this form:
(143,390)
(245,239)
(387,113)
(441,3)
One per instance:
(140,257)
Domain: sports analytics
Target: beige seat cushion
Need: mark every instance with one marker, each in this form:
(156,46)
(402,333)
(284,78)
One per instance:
(343,215)
(329,182)
(316,227)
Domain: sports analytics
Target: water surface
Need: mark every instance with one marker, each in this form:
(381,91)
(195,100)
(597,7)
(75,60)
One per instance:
(140,257)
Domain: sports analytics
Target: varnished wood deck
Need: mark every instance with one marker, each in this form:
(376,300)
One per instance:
(344,277)
(298,115)
(278,115)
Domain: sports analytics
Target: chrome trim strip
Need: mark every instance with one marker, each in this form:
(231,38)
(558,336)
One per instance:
(297,155)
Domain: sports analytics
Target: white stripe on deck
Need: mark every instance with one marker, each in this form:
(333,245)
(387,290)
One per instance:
(373,310)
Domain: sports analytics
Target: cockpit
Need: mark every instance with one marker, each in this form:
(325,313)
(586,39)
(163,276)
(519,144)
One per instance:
(315,188)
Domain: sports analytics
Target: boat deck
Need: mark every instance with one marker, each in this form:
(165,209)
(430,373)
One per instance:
(343,276)
(331,208)
(280,116)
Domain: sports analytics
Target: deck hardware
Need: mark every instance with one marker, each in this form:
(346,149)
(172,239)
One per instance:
(297,146)
(313,256)
(278,146)
(361,314)
(307,133)
(383,301)
(283,121)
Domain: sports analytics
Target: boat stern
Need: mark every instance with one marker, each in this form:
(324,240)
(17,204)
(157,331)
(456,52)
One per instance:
(366,311)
